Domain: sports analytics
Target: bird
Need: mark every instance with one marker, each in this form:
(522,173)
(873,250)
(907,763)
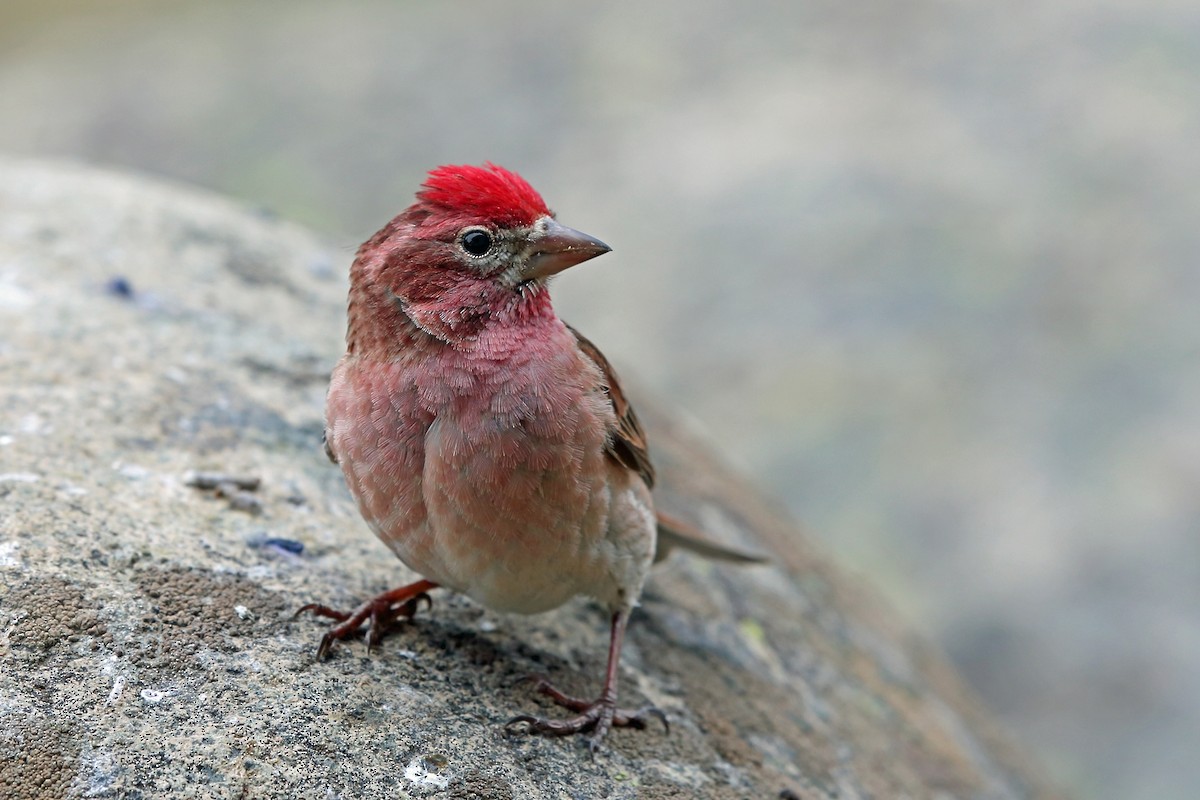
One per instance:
(488,444)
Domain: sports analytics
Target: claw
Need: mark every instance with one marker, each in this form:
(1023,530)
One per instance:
(326,644)
(639,718)
(536,678)
(525,718)
(380,615)
(660,714)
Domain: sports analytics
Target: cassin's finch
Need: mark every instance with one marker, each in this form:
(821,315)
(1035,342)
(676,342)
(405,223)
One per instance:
(487,443)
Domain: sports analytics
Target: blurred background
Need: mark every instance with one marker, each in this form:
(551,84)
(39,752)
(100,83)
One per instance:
(926,270)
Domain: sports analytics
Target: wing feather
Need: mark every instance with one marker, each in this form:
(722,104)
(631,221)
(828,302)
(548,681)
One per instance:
(626,442)
(627,446)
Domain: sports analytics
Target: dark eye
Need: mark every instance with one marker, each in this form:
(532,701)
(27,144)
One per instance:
(476,242)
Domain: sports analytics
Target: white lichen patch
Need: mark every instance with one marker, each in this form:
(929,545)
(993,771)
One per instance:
(156,696)
(428,773)
(8,554)
(117,688)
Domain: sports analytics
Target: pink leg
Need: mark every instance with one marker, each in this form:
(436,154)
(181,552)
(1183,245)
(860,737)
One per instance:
(381,613)
(598,715)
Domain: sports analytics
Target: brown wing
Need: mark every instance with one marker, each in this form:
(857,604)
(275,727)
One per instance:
(626,442)
(627,446)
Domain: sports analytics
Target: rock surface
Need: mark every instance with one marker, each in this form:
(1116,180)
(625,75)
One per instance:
(149,332)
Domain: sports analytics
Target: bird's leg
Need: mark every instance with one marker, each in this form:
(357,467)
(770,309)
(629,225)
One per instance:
(596,715)
(380,613)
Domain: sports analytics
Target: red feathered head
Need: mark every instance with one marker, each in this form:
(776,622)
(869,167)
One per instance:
(489,193)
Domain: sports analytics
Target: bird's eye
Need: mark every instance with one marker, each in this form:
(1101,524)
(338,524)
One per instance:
(476,242)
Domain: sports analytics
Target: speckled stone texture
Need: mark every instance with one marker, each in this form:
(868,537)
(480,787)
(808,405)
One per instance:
(148,332)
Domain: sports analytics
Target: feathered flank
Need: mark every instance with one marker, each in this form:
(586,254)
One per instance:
(489,192)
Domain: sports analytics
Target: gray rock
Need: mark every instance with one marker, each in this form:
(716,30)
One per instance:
(165,506)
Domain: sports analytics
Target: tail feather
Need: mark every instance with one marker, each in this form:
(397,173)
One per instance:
(674,532)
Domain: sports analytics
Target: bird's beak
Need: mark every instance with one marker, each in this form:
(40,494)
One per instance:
(560,247)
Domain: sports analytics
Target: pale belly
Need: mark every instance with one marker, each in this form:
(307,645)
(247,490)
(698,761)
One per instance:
(520,518)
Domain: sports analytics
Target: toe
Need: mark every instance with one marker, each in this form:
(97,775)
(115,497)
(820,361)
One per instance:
(639,719)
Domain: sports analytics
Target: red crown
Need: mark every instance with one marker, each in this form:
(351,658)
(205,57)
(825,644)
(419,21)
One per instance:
(489,193)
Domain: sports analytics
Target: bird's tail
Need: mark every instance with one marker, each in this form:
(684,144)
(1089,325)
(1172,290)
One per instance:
(674,532)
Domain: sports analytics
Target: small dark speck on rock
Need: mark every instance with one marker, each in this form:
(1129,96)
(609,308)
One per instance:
(275,543)
(237,490)
(214,480)
(119,286)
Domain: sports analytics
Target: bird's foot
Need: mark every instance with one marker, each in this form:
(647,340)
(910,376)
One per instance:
(596,716)
(381,614)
